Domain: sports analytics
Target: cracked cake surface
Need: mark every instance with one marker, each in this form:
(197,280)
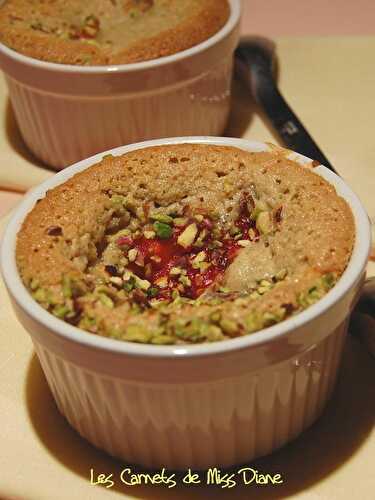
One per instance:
(185,243)
(102,32)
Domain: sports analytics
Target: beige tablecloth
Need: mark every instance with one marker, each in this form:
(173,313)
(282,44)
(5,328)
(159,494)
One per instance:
(330,82)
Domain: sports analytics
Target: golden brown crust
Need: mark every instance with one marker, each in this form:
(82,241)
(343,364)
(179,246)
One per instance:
(46,33)
(315,236)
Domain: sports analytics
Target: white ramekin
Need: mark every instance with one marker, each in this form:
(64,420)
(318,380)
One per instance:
(192,406)
(66,113)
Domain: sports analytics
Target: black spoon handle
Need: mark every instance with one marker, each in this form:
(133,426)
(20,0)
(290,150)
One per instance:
(292,132)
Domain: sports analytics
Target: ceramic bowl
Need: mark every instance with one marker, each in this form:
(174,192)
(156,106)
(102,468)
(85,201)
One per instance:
(193,406)
(66,113)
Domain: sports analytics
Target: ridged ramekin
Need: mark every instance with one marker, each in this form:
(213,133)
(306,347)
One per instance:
(193,406)
(66,113)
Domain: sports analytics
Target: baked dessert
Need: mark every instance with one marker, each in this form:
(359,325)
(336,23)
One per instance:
(102,32)
(185,244)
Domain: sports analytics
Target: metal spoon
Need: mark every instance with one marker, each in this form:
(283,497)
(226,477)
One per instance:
(256,66)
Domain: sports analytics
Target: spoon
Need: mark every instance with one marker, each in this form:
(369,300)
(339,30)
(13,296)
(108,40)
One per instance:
(256,65)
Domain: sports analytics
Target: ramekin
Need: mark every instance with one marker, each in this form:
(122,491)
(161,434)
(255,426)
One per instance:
(194,406)
(66,113)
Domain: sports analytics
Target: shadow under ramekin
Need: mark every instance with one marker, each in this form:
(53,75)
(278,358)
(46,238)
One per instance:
(336,437)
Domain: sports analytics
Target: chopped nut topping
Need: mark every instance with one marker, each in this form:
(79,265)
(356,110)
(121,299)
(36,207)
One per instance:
(132,254)
(187,237)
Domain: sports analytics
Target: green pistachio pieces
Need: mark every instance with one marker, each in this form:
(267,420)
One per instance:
(61,311)
(137,333)
(87,323)
(187,237)
(67,287)
(41,295)
(34,284)
(229,327)
(163,230)
(129,284)
(264,223)
(328,280)
(253,322)
(153,291)
(71,287)
(316,292)
(167,219)
(106,301)
(162,340)
(180,221)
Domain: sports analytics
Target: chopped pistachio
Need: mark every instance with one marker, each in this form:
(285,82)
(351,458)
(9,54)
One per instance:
(142,284)
(162,230)
(129,284)
(203,266)
(201,237)
(116,280)
(215,316)
(115,333)
(200,257)
(106,301)
(137,333)
(161,218)
(132,254)
(60,311)
(163,340)
(187,237)
(40,295)
(149,234)
(134,225)
(253,322)
(127,276)
(260,206)
(34,284)
(155,304)
(234,230)
(252,234)
(87,323)
(265,283)
(180,221)
(122,232)
(162,282)
(185,280)
(244,243)
(329,280)
(264,223)
(153,291)
(228,326)
(212,333)
(67,287)
(175,271)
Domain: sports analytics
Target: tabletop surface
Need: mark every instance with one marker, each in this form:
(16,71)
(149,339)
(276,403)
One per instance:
(329,82)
